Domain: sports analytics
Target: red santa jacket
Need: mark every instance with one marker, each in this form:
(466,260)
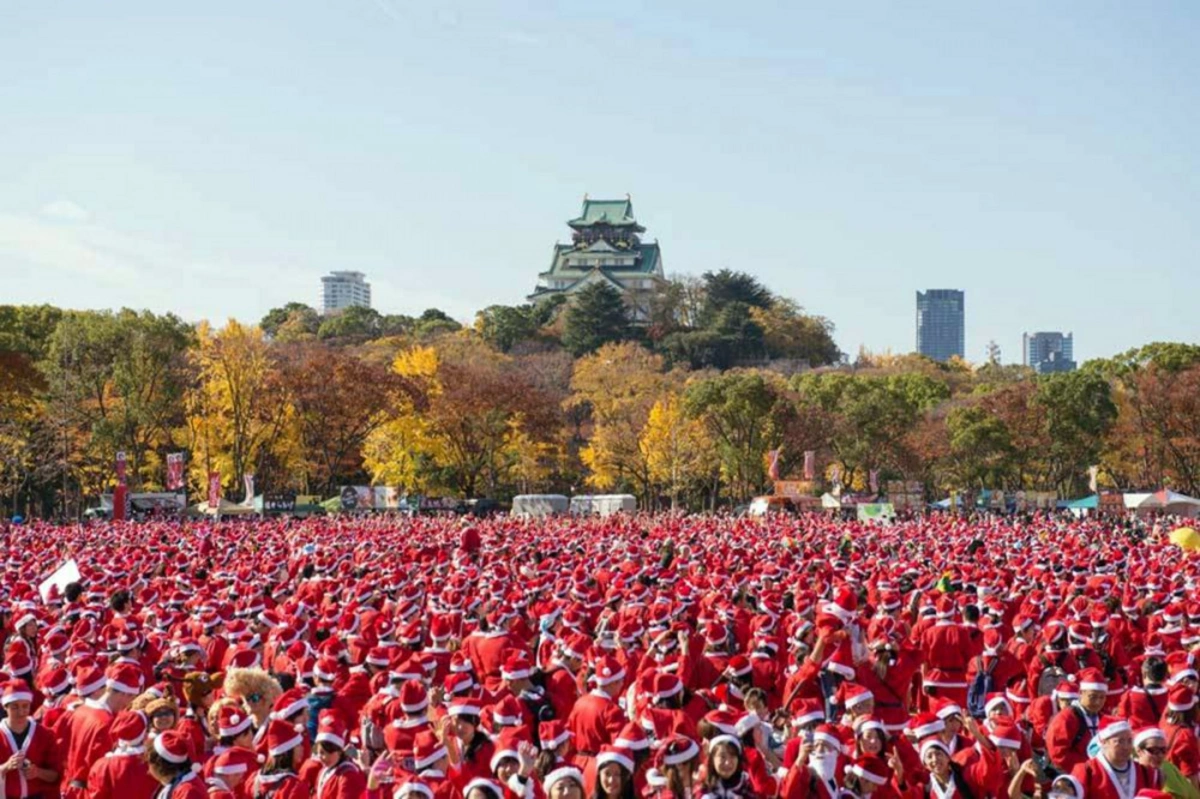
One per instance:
(1142,706)
(282,785)
(343,781)
(122,774)
(1068,736)
(40,748)
(595,720)
(89,740)
(1099,782)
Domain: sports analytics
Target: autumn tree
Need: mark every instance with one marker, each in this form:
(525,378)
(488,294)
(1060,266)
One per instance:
(617,386)
(597,316)
(337,401)
(677,450)
(239,420)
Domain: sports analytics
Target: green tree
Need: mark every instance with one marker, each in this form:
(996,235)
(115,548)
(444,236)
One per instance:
(299,316)
(596,316)
(727,287)
(737,409)
(1078,411)
(355,324)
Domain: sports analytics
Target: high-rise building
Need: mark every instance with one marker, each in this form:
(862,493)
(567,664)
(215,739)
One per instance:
(941,323)
(343,290)
(606,247)
(1048,352)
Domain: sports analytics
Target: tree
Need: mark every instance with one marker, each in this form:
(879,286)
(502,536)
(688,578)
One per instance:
(596,317)
(355,324)
(618,385)
(239,420)
(119,379)
(677,450)
(505,326)
(337,401)
(298,317)
(736,409)
(1078,411)
(787,332)
(725,288)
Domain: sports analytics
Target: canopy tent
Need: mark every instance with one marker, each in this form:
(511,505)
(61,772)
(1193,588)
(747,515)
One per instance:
(1166,501)
(1085,503)
(226,508)
(830,502)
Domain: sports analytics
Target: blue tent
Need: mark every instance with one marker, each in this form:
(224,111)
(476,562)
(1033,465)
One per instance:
(1086,503)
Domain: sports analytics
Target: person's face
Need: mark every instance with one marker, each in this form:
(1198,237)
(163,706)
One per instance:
(1011,761)
(234,780)
(506,769)
(725,761)
(1153,752)
(566,789)
(119,700)
(936,761)
(464,728)
(17,712)
(953,724)
(872,743)
(328,754)
(612,779)
(1092,701)
(163,720)
(1118,749)
(864,708)
(30,629)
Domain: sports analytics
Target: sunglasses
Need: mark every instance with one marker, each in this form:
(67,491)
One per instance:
(1155,750)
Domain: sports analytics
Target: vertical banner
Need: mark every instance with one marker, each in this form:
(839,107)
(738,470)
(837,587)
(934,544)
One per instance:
(773,464)
(835,477)
(810,464)
(214,491)
(120,510)
(249,479)
(1093,474)
(174,471)
(121,468)
(874,479)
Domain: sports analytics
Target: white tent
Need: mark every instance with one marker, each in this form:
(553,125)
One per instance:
(1166,501)
(537,505)
(830,502)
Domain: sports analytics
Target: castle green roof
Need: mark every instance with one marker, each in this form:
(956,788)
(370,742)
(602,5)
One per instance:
(618,213)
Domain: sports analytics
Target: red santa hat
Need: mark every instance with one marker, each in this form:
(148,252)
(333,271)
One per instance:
(235,760)
(738,666)
(283,737)
(554,733)
(808,711)
(16,691)
(331,729)
(232,721)
(997,701)
(1145,735)
(1005,734)
(464,706)
(673,751)
(517,667)
(506,744)
(850,695)
(945,708)
(932,743)
(413,696)
(829,736)
(1110,727)
(129,728)
(666,685)
(924,725)
(426,750)
(872,769)
(124,677)
(1181,698)
(1092,680)
(507,712)
(615,754)
(289,703)
(556,776)
(175,747)
(607,671)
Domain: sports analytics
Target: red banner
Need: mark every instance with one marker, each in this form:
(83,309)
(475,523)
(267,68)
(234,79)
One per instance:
(214,490)
(174,471)
(810,464)
(120,503)
(773,464)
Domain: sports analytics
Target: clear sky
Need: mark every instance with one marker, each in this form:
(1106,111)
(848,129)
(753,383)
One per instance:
(1042,156)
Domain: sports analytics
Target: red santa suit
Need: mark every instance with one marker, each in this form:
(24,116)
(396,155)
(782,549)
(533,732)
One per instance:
(947,647)
(343,781)
(1101,781)
(89,741)
(40,748)
(122,774)
(282,785)
(1068,736)
(1142,706)
(562,690)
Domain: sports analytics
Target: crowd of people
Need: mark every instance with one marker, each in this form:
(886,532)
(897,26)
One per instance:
(668,656)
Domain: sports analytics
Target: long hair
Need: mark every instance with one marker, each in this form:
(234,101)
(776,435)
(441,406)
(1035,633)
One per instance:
(280,763)
(712,780)
(674,775)
(626,786)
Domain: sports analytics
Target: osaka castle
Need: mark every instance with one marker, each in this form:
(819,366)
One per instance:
(606,247)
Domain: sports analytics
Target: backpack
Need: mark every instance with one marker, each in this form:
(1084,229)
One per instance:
(1052,674)
(980,687)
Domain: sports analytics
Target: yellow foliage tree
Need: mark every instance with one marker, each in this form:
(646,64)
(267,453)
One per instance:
(677,450)
(238,419)
(619,384)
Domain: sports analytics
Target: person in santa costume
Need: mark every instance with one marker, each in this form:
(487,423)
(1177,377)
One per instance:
(29,755)
(1073,728)
(596,719)
(278,778)
(1113,773)
(674,772)
(170,762)
(467,743)
(340,777)
(1179,726)
(230,770)
(90,735)
(123,771)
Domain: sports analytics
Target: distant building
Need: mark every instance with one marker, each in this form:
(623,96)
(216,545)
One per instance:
(605,247)
(1048,352)
(941,324)
(343,290)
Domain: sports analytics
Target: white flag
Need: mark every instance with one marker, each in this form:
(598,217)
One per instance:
(63,576)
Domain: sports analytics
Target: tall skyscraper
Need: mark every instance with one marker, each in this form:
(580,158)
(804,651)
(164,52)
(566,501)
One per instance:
(343,290)
(1048,352)
(941,323)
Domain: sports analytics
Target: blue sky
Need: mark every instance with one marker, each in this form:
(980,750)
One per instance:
(1041,156)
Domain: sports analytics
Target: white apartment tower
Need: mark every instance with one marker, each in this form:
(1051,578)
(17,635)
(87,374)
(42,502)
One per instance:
(343,290)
